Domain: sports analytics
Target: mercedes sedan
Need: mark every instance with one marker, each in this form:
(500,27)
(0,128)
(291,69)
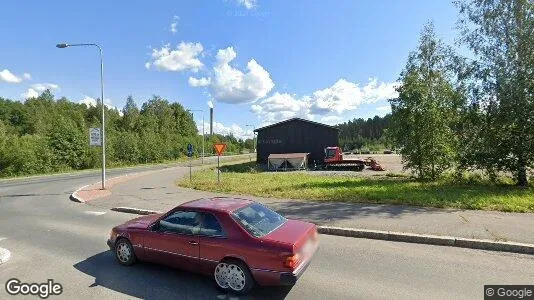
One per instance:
(237,241)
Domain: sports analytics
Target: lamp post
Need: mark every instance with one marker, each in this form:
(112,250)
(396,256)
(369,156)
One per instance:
(253,137)
(63,45)
(192,114)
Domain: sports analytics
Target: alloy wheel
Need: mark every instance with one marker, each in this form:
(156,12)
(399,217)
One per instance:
(123,252)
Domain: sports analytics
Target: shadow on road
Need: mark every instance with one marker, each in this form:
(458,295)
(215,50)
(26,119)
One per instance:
(151,281)
(324,213)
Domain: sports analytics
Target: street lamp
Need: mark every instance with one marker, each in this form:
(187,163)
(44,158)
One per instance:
(64,45)
(192,115)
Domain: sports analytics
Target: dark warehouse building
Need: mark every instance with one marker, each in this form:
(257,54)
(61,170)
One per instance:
(295,136)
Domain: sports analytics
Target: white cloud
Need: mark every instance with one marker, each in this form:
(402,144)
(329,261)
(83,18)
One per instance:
(7,76)
(383,110)
(329,102)
(147,65)
(92,102)
(231,85)
(174,24)
(210,104)
(345,95)
(219,128)
(27,76)
(36,89)
(30,93)
(184,57)
(331,120)
(41,87)
(88,101)
(196,82)
(248,4)
(282,106)
(386,108)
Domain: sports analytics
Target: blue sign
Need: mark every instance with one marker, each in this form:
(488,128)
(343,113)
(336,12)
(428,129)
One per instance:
(189,150)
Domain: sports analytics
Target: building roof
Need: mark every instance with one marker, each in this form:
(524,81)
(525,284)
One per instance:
(294,119)
(218,203)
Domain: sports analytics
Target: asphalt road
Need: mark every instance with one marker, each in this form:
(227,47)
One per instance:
(51,237)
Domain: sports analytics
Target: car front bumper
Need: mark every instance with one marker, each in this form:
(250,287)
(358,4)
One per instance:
(111,244)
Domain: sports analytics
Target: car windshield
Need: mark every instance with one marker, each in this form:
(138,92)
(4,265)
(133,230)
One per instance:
(258,220)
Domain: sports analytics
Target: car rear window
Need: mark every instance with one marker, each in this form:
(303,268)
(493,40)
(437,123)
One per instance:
(258,220)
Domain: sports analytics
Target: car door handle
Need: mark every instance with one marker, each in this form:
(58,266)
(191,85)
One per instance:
(193,243)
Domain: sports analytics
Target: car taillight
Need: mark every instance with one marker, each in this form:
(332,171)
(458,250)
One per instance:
(291,261)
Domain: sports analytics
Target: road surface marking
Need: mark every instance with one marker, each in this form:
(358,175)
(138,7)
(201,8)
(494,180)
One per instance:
(4,253)
(95,213)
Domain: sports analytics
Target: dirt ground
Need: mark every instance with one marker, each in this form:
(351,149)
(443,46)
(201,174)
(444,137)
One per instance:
(391,162)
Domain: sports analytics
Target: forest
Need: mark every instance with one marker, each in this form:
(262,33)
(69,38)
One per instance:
(46,135)
(361,134)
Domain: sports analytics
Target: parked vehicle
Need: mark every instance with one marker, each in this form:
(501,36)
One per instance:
(333,158)
(237,241)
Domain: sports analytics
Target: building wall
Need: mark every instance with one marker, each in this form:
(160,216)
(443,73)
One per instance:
(296,137)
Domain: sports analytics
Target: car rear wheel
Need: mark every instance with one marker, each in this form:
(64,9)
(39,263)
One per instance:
(233,276)
(124,252)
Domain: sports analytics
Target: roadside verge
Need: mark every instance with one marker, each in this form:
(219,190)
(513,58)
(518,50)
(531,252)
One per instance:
(397,236)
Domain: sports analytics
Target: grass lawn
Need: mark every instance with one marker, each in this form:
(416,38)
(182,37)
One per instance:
(243,179)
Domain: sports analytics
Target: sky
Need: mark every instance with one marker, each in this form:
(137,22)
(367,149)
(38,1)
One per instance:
(256,61)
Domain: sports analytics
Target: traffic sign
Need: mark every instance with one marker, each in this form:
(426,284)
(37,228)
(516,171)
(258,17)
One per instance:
(95,139)
(219,148)
(189,150)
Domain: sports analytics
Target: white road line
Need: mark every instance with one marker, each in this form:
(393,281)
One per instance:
(4,253)
(95,213)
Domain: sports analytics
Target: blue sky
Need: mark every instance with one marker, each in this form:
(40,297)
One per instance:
(258,61)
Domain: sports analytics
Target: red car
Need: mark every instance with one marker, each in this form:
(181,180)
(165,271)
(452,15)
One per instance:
(239,242)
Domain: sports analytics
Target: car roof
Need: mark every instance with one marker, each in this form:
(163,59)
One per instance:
(226,204)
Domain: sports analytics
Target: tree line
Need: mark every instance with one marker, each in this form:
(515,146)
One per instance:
(361,134)
(44,134)
(476,113)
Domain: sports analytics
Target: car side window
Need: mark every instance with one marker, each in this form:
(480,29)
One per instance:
(211,226)
(182,222)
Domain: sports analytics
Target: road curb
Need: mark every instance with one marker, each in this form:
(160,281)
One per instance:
(429,239)
(74,196)
(396,236)
(136,211)
(4,255)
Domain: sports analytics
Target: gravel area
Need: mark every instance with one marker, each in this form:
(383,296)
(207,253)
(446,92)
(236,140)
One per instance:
(391,162)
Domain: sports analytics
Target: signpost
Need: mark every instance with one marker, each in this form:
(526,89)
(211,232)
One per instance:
(190,155)
(219,149)
(95,138)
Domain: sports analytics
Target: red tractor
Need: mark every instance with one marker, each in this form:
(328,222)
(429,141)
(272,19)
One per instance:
(333,158)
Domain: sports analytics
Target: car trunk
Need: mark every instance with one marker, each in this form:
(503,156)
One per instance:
(293,232)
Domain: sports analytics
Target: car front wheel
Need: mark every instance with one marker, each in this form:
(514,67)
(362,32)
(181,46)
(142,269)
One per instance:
(124,252)
(233,276)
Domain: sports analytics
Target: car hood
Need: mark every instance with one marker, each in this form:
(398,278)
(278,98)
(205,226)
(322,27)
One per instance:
(141,222)
(292,232)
